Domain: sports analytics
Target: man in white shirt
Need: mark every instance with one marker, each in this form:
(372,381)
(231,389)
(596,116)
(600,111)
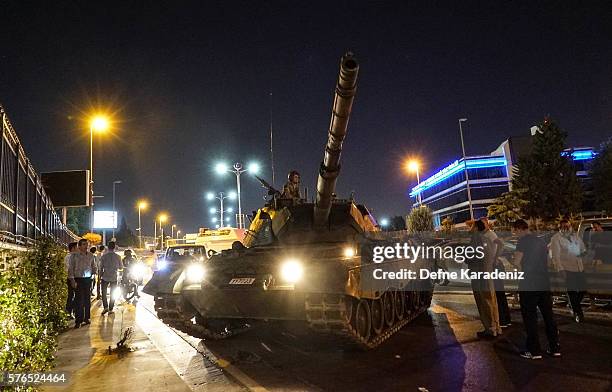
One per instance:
(110,262)
(80,270)
(500,290)
(567,250)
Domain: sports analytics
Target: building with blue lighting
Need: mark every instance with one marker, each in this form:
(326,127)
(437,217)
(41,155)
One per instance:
(489,176)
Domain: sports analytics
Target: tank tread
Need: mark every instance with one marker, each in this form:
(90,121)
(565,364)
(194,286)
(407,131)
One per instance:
(327,314)
(171,310)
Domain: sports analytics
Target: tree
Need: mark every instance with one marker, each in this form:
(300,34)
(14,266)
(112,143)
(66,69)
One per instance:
(420,220)
(548,176)
(601,173)
(447,225)
(125,236)
(397,223)
(507,208)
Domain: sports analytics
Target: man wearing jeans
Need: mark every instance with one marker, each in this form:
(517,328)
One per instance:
(110,262)
(80,270)
(567,250)
(534,290)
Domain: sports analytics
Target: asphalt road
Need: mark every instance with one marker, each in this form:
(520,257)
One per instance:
(437,352)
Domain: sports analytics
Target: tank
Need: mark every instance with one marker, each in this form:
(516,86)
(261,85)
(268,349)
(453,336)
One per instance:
(303,262)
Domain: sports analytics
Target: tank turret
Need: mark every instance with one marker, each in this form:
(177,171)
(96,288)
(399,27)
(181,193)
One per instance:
(300,261)
(341,111)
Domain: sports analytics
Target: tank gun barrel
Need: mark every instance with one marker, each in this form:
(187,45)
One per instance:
(341,111)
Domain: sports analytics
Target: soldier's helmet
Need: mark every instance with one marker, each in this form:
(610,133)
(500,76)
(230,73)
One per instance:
(291,174)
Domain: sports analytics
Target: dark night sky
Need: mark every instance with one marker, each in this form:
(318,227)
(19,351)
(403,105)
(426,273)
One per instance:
(190,85)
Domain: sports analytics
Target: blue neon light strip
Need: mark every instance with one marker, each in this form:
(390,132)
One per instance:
(457,166)
(581,155)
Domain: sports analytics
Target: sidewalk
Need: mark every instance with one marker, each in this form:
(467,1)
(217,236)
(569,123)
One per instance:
(83,354)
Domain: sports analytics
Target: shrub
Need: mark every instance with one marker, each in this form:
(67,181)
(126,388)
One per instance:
(32,299)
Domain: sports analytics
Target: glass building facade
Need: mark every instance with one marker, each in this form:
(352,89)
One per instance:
(489,176)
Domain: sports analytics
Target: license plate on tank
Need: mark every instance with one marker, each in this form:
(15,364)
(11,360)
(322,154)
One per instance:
(242,281)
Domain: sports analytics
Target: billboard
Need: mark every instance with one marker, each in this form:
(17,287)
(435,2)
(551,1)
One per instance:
(67,188)
(105,220)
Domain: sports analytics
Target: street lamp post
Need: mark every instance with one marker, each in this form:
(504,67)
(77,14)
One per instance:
(162,219)
(172,234)
(467,178)
(99,124)
(238,169)
(141,206)
(221,197)
(117,182)
(414,166)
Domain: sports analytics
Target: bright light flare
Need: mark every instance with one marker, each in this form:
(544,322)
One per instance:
(384,222)
(292,271)
(349,252)
(210,196)
(253,168)
(230,209)
(221,168)
(99,123)
(214,220)
(142,205)
(163,218)
(413,165)
(213,210)
(116,293)
(195,273)
(232,195)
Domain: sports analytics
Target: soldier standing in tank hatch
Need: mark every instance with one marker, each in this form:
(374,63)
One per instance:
(291,189)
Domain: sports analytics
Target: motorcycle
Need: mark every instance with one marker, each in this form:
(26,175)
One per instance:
(129,280)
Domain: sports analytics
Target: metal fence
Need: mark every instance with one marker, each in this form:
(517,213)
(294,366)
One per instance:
(26,212)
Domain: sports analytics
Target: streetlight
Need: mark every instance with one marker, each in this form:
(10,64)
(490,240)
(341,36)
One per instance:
(98,123)
(172,233)
(384,222)
(178,234)
(467,178)
(237,169)
(413,166)
(221,197)
(117,182)
(162,218)
(142,205)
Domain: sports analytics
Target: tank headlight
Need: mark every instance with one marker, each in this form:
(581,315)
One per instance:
(349,252)
(195,273)
(292,271)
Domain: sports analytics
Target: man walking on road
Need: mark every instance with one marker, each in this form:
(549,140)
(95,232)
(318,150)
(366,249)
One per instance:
(484,290)
(110,262)
(567,250)
(80,271)
(534,290)
(70,299)
(500,290)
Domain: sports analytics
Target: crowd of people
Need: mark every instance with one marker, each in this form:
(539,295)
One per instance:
(92,273)
(565,250)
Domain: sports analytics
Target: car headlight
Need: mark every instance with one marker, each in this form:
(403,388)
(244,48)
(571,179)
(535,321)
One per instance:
(292,271)
(162,264)
(195,273)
